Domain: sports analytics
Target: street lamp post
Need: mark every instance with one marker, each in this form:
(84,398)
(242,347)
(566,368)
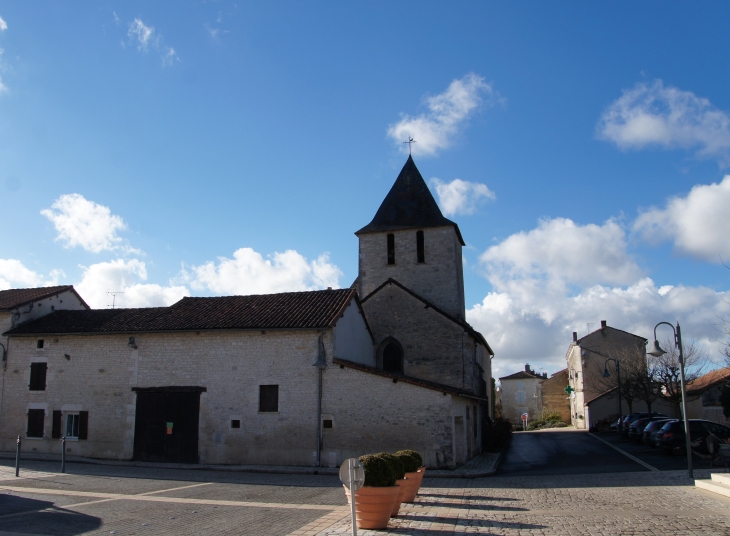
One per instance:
(658,352)
(607,374)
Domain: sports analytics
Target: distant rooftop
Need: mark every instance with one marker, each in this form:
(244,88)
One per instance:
(17,297)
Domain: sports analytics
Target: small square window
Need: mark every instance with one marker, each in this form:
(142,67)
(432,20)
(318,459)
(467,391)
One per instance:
(327,423)
(235,423)
(268,398)
(72,425)
(39,343)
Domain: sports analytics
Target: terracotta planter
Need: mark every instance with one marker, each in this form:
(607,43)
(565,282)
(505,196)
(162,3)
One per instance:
(373,506)
(402,485)
(414,484)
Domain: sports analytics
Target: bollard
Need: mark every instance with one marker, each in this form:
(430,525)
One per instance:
(17,456)
(63,454)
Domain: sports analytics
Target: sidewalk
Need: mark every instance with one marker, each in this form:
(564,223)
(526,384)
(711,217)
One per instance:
(483,465)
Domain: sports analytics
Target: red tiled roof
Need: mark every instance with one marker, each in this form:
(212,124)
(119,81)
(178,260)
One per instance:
(287,310)
(17,297)
(407,379)
(709,380)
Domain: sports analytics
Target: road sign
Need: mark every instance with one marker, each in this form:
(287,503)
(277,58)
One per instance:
(524,416)
(358,474)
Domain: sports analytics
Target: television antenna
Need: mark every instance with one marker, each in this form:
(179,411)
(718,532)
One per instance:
(114,298)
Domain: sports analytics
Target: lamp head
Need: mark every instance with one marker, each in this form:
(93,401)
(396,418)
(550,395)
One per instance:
(606,374)
(657,351)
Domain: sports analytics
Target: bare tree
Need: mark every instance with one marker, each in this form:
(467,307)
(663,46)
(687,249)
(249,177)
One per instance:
(667,369)
(632,365)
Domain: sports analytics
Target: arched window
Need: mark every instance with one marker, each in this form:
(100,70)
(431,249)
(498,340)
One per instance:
(393,358)
(391,248)
(420,255)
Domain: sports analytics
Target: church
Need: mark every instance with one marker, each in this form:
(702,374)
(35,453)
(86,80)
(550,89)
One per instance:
(296,378)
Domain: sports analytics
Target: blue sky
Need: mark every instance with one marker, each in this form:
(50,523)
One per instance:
(209,148)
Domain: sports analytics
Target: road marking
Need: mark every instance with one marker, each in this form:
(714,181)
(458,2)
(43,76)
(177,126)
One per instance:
(212,502)
(138,494)
(629,456)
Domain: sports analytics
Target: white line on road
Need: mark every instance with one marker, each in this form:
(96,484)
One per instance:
(629,456)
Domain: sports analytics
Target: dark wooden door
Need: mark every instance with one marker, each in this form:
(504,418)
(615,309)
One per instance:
(166,426)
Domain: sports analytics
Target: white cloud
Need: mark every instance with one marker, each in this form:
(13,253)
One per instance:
(81,222)
(13,274)
(447,111)
(698,223)
(559,277)
(145,38)
(461,197)
(249,273)
(3,25)
(125,276)
(667,117)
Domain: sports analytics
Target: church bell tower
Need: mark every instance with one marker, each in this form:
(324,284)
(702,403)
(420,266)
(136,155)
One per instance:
(409,240)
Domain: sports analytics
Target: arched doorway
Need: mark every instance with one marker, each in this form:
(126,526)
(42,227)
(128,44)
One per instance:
(393,358)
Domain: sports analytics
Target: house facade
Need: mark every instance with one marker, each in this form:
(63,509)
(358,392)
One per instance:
(302,378)
(521,394)
(703,396)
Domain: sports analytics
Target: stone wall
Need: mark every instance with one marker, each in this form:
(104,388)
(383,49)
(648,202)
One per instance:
(512,407)
(434,347)
(439,279)
(554,397)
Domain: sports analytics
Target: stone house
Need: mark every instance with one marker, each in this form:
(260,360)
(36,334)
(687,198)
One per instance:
(594,397)
(301,378)
(703,396)
(521,394)
(553,395)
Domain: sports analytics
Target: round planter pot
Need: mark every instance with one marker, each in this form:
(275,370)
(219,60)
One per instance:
(402,487)
(373,506)
(410,487)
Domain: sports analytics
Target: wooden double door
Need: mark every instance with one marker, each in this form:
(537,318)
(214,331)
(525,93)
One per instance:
(166,424)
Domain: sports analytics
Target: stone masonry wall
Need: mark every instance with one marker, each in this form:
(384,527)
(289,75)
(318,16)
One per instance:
(434,347)
(554,397)
(439,279)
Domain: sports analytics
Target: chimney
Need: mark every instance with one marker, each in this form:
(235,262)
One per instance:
(527,367)
(544,375)
(603,324)
(575,336)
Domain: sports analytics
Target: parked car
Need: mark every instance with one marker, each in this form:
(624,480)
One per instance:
(636,429)
(672,438)
(629,419)
(615,425)
(648,437)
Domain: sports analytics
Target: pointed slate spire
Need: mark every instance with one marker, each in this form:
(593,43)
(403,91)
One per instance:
(408,205)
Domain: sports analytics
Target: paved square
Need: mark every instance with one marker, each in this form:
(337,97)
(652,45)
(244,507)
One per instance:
(98,499)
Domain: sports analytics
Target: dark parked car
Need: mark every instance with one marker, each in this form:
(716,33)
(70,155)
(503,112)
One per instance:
(636,429)
(648,437)
(629,419)
(672,439)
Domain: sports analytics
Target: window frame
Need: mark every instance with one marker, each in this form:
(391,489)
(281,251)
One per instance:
(35,415)
(269,398)
(37,377)
(70,416)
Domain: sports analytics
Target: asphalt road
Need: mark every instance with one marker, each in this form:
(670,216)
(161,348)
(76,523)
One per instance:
(562,453)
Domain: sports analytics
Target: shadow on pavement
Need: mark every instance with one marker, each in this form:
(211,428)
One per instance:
(482,523)
(466,497)
(31,516)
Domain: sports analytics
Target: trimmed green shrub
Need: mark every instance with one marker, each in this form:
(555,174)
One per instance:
(395,464)
(378,472)
(414,454)
(410,463)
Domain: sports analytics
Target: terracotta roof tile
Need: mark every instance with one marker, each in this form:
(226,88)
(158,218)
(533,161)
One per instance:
(709,380)
(522,375)
(287,310)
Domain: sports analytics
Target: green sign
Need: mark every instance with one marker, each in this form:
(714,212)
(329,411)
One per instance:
(569,389)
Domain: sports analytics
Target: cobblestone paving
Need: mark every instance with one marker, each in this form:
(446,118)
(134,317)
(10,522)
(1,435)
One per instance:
(606,504)
(144,501)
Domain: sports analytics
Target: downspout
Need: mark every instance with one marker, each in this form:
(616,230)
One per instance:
(321,364)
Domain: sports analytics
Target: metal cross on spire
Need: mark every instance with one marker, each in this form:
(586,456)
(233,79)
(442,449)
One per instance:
(410,142)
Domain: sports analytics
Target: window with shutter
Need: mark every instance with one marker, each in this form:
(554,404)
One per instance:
(35,422)
(268,398)
(83,424)
(38,376)
(56,428)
